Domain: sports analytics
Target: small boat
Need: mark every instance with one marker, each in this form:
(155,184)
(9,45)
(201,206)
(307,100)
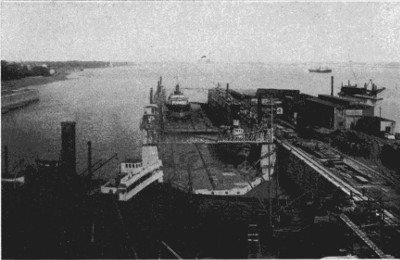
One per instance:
(320,70)
(178,105)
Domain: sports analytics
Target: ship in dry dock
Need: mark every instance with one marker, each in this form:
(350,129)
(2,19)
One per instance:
(178,106)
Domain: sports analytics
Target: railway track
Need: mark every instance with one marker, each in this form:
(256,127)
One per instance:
(382,174)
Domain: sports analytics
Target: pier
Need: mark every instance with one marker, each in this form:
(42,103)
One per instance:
(347,176)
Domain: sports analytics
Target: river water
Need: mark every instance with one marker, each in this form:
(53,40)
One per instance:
(107,103)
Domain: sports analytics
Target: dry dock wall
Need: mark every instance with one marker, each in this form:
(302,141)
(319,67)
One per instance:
(296,171)
(15,99)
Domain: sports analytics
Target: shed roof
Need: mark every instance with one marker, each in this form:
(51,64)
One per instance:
(347,103)
(322,102)
(276,92)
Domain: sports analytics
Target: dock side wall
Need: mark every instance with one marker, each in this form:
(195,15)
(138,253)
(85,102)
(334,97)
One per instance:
(296,171)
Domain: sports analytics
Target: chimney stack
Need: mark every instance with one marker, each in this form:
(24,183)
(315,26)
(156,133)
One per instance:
(151,95)
(332,86)
(227,90)
(5,159)
(89,144)
(68,152)
(259,108)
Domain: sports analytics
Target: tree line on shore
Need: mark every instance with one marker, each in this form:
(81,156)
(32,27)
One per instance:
(18,70)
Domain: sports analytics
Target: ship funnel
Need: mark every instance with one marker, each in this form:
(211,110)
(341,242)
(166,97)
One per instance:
(259,108)
(331,85)
(68,152)
(151,95)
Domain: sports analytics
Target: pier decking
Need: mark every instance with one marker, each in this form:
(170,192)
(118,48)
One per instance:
(325,170)
(344,180)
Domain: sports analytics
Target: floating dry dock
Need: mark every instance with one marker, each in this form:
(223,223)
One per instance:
(194,160)
(196,155)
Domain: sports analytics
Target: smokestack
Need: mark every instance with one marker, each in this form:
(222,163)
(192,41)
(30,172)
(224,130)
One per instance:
(331,85)
(89,144)
(160,81)
(151,95)
(259,109)
(68,152)
(227,90)
(5,159)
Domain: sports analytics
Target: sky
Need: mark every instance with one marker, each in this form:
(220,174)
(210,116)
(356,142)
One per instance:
(230,31)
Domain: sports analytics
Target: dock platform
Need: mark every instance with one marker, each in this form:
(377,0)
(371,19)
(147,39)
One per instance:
(196,167)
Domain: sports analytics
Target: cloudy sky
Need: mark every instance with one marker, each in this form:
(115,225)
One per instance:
(185,31)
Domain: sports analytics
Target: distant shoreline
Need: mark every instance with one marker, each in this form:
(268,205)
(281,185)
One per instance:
(34,81)
(16,75)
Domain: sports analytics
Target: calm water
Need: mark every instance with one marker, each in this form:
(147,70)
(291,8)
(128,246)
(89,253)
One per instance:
(107,104)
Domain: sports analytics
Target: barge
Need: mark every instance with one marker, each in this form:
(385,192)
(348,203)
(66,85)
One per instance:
(13,99)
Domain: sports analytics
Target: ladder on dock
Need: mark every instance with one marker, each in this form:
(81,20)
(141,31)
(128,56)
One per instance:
(253,240)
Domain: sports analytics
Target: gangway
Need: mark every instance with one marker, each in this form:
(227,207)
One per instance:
(363,236)
(260,136)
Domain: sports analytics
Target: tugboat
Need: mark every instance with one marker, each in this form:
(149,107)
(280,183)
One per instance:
(178,105)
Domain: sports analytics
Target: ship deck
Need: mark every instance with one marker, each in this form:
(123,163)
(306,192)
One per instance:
(197,123)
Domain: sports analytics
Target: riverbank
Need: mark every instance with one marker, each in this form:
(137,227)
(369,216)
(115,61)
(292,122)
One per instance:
(15,84)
